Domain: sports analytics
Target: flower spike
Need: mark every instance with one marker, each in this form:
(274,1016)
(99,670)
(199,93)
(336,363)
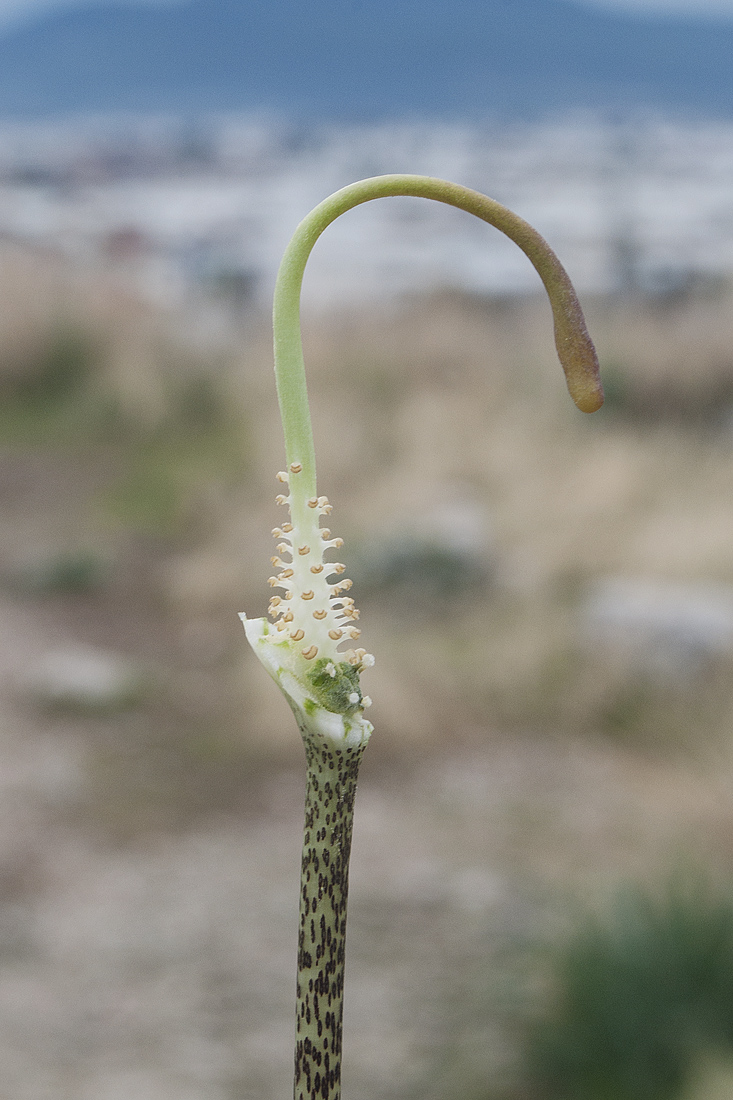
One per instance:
(301,649)
(318,618)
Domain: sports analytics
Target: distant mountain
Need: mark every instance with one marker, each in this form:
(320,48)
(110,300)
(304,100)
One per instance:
(353,59)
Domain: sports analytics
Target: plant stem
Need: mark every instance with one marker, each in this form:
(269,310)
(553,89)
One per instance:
(335,735)
(324,884)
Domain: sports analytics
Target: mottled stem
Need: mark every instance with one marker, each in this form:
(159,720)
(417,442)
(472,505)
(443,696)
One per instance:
(325,696)
(324,884)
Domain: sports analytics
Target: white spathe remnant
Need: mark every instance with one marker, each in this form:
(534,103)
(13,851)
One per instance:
(282,661)
(669,627)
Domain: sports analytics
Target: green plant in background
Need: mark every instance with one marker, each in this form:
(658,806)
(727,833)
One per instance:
(643,1000)
(313,618)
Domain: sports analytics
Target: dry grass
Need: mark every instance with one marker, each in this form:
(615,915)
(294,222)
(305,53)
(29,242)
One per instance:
(445,404)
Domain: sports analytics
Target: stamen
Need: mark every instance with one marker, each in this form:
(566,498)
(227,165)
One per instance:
(354,633)
(287,528)
(304,550)
(342,586)
(307,595)
(320,614)
(285,575)
(282,476)
(334,567)
(280,499)
(288,618)
(298,635)
(335,634)
(295,467)
(310,653)
(313,502)
(325,533)
(316,569)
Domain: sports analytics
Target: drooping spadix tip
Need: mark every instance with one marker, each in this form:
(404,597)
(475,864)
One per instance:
(575,349)
(585,388)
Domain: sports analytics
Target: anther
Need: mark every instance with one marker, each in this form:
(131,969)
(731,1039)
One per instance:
(275,601)
(335,634)
(354,633)
(320,614)
(325,533)
(304,550)
(273,582)
(285,575)
(334,567)
(280,625)
(276,561)
(288,617)
(280,499)
(287,528)
(316,569)
(295,467)
(338,543)
(298,635)
(313,502)
(277,532)
(282,476)
(283,548)
(307,595)
(310,653)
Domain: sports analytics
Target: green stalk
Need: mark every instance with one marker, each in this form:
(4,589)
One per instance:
(574,346)
(301,651)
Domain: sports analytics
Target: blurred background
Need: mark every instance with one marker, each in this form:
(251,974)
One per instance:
(541,880)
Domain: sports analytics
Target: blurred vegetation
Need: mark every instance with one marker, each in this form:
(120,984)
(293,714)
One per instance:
(454,403)
(136,498)
(642,998)
(63,396)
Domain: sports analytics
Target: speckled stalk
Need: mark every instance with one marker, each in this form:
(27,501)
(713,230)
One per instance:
(324,884)
(301,649)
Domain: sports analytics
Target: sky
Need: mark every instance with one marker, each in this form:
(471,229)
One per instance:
(15,11)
